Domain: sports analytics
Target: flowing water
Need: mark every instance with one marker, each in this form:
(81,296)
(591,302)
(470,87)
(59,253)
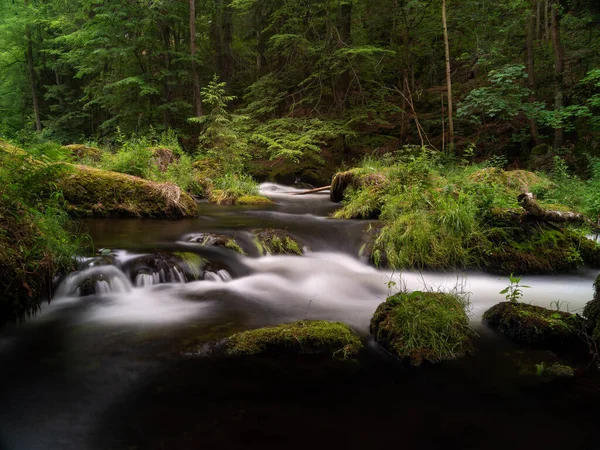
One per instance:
(113,361)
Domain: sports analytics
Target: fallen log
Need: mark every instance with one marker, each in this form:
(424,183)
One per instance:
(529,204)
(312,191)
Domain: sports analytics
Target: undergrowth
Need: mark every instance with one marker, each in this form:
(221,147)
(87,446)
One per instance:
(437,212)
(37,238)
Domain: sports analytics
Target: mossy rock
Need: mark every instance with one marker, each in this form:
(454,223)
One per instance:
(558,370)
(83,152)
(276,242)
(254,200)
(228,197)
(305,337)
(101,193)
(423,326)
(515,180)
(354,178)
(534,326)
(217,240)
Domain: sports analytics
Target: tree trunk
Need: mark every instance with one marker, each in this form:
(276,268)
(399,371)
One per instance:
(193,52)
(344,28)
(32,77)
(530,70)
(559,67)
(529,204)
(222,36)
(448,76)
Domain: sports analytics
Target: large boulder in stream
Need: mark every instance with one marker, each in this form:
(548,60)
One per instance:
(535,326)
(423,326)
(276,242)
(101,193)
(307,337)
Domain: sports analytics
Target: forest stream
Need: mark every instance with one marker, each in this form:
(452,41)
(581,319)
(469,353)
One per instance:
(123,367)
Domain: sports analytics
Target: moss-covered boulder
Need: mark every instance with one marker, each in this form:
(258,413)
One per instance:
(81,152)
(312,337)
(216,240)
(534,326)
(354,178)
(276,242)
(95,192)
(423,326)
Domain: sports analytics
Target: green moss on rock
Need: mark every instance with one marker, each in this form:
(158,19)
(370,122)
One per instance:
(277,242)
(217,240)
(95,192)
(303,337)
(534,326)
(557,370)
(254,200)
(423,326)
(83,152)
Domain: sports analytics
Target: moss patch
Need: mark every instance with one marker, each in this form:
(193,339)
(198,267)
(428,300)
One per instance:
(534,326)
(254,200)
(276,242)
(94,192)
(85,153)
(514,244)
(423,326)
(217,240)
(303,337)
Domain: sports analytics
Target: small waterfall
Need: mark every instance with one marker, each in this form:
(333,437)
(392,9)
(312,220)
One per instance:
(94,280)
(219,275)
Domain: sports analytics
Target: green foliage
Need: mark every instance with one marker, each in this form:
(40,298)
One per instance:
(514,291)
(37,238)
(219,138)
(504,99)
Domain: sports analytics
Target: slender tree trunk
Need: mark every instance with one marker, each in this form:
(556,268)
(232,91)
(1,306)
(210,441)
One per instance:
(559,66)
(344,24)
(530,70)
(193,52)
(546,20)
(448,75)
(538,19)
(32,77)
